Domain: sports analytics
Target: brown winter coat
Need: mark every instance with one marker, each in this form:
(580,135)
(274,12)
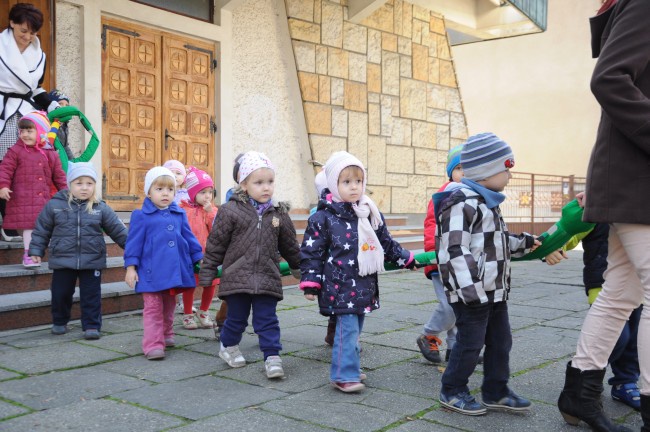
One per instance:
(618,178)
(249,248)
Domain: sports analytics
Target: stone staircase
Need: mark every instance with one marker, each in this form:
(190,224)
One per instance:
(25,293)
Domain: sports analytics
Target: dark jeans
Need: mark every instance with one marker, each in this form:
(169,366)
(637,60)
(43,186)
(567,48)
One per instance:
(265,321)
(90,294)
(485,324)
(624,359)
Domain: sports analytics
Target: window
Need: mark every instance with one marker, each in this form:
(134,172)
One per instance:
(199,9)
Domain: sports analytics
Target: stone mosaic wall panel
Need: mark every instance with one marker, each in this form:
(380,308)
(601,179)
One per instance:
(384,90)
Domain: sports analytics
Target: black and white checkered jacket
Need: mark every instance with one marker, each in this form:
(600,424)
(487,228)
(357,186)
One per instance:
(474,247)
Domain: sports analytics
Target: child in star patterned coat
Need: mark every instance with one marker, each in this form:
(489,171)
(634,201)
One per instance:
(344,247)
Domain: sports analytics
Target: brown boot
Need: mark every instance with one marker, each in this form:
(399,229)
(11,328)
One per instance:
(331,329)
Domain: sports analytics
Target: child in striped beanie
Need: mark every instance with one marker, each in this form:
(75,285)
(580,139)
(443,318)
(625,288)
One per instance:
(474,249)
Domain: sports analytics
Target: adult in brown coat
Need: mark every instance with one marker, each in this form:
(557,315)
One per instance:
(618,183)
(249,236)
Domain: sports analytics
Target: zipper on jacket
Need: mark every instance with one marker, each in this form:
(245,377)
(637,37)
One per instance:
(78,237)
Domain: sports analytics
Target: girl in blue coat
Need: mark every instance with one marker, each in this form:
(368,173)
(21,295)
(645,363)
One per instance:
(159,257)
(344,247)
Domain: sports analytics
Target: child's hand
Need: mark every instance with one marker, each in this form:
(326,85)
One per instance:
(36,259)
(310,297)
(4,193)
(555,257)
(536,244)
(207,207)
(582,199)
(131,276)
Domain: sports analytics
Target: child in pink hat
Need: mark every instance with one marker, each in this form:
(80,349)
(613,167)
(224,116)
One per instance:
(200,214)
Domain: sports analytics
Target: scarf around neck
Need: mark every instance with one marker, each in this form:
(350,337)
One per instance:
(371,254)
(492,198)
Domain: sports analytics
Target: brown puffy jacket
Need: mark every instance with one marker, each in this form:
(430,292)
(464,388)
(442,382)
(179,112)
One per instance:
(249,248)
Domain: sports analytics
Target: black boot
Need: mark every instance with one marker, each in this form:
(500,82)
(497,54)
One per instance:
(581,400)
(645,413)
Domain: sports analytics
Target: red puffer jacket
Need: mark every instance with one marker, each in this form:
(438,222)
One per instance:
(30,175)
(430,234)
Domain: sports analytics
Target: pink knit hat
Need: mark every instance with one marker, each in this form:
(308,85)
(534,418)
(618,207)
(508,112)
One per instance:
(173,164)
(41,123)
(197,180)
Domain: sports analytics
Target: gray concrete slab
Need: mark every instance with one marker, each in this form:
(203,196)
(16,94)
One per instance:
(8,410)
(96,416)
(194,390)
(56,389)
(55,357)
(252,420)
(200,397)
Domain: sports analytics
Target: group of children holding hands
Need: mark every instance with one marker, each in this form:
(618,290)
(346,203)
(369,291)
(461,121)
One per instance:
(178,240)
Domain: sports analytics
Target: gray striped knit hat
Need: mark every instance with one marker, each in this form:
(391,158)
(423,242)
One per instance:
(485,155)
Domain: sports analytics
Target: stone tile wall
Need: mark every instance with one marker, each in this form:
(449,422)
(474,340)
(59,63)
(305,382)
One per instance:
(384,90)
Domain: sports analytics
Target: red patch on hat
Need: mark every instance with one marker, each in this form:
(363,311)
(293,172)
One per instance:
(509,163)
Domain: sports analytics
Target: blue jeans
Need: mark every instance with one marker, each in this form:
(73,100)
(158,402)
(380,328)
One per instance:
(443,317)
(265,322)
(346,364)
(90,296)
(485,324)
(624,359)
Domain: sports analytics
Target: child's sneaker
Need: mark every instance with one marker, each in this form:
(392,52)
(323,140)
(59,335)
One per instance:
(429,347)
(156,354)
(28,263)
(273,366)
(92,334)
(232,356)
(180,309)
(463,403)
(59,329)
(189,323)
(204,319)
(170,342)
(511,402)
(628,394)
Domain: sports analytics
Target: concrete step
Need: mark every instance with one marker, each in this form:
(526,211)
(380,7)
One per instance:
(12,252)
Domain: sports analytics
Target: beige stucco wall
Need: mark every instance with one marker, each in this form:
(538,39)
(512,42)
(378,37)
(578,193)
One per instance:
(266,107)
(533,91)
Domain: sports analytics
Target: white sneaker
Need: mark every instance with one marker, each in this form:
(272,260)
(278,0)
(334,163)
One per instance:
(204,319)
(189,323)
(232,356)
(9,238)
(273,366)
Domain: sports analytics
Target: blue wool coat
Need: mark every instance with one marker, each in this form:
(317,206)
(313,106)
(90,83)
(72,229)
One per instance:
(162,247)
(328,257)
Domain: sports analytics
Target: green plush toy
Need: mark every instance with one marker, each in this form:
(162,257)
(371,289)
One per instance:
(569,225)
(62,115)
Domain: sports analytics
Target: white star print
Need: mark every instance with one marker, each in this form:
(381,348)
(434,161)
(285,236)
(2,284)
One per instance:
(329,260)
(350,305)
(346,246)
(400,262)
(350,262)
(348,225)
(354,283)
(310,242)
(311,271)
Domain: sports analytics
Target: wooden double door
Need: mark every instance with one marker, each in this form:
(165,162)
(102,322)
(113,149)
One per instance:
(159,103)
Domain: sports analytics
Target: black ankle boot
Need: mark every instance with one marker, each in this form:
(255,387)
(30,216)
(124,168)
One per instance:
(581,400)
(645,413)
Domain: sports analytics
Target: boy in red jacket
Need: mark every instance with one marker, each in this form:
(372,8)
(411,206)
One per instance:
(443,318)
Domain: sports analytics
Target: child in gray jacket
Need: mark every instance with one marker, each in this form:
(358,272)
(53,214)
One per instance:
(73,223)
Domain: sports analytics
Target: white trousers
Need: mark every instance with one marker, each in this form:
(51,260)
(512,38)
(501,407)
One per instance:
(627,285)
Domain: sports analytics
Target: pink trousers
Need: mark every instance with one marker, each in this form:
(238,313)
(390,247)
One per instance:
(627,285)
(158,320)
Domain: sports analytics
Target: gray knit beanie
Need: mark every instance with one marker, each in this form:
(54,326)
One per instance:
(80,169)
(485,155)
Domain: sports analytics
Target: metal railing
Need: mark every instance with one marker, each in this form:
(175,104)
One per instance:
(534,201)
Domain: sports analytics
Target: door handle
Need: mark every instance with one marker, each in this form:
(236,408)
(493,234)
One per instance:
(167,138)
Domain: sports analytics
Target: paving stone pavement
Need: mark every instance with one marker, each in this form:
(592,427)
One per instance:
(66,383)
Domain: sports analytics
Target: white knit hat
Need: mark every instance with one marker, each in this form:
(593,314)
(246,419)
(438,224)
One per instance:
(320,182)
(153,174)
(80,169)
(335,164)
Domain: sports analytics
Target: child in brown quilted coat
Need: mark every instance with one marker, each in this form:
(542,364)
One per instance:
(248,233)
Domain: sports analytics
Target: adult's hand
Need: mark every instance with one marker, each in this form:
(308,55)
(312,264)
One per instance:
(582,199)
